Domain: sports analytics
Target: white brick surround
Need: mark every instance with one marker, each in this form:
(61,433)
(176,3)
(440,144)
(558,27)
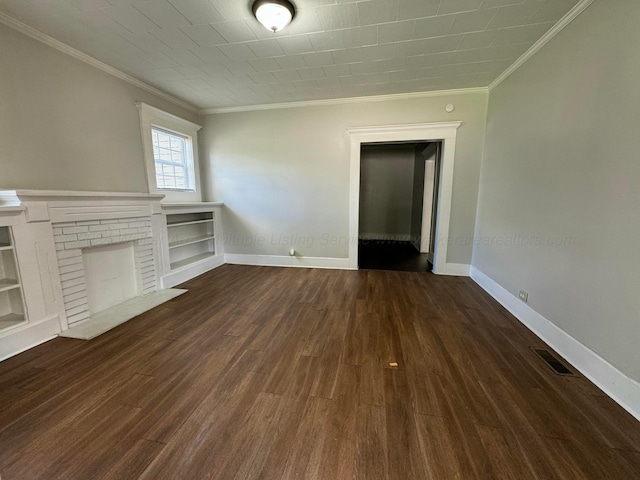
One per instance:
(61,236)
(72,237)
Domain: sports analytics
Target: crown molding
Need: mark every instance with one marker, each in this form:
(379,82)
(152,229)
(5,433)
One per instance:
(345,101)
(88,59)
(64,48)
(403,128)
(546,38)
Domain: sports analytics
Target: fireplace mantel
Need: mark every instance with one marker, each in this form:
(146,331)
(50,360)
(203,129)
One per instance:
(72,206)
(55,230)
(50,229)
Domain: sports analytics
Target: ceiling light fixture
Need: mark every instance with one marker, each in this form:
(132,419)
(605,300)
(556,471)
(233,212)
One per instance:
(274,14)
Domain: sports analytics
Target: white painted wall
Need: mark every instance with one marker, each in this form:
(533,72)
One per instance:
(559,206)
(386,188)
(284,174)
(66,125)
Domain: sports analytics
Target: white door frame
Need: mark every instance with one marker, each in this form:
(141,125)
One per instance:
(427,205)
(446,132)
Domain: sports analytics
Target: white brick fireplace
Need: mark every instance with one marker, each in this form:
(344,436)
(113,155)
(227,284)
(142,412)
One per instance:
(74,240)
(77,264)
(87,262)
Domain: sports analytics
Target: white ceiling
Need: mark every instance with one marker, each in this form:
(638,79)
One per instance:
(213,53)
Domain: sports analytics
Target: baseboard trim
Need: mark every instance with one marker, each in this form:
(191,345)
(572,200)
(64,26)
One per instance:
(454,270)
(27,336)
(285,261)
(623,390)
(188,272)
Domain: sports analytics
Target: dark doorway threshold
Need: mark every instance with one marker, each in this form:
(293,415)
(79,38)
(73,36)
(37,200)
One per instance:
(391,255)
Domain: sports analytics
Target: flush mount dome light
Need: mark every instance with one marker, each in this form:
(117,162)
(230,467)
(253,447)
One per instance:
(274,14)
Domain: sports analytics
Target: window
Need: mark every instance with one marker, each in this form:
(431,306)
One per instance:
(174,167)
(171,160)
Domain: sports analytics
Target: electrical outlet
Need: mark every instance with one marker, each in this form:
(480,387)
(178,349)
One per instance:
(524,296)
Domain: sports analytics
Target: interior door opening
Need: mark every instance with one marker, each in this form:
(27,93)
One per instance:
(398,205)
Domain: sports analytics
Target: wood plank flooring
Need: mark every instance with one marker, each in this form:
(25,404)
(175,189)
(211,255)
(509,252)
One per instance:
(270,373)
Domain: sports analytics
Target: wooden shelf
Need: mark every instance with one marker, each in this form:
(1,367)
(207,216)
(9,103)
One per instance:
(191,260)
(208,220)
(189,241)
(8,284)
(10,320)
(5,246)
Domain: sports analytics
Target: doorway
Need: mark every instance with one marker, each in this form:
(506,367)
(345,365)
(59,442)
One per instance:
(397,205)
(446,132)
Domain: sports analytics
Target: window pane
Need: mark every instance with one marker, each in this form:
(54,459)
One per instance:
(176,143)
(163,141)
(177,157)
(169,182)
(174,166)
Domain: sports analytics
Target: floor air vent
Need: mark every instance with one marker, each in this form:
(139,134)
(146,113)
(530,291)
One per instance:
(552,361)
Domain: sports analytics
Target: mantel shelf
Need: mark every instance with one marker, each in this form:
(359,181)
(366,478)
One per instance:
(58,195)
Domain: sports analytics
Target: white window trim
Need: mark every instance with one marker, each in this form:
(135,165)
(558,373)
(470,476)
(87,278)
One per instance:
(154,117)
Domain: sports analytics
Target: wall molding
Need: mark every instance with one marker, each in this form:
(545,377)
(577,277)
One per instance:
(452,269)
(71,206)
(88,59)
(622,389)
(287,261)
(455,270)
(570,16)
(29,335)
(176,277)
(345,101)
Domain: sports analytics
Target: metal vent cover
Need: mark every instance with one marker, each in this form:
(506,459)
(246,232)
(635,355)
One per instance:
(556,365)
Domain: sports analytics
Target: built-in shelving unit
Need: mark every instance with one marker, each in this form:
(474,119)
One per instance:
(11,304)
(193,240)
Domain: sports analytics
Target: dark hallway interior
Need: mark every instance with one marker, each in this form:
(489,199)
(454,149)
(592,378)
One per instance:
(398,191)
(391,255)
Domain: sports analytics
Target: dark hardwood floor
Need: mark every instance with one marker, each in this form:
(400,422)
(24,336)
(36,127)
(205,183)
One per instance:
(269,373)
(391,255)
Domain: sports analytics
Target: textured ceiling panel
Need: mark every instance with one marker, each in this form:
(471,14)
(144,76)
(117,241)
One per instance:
(213,53)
